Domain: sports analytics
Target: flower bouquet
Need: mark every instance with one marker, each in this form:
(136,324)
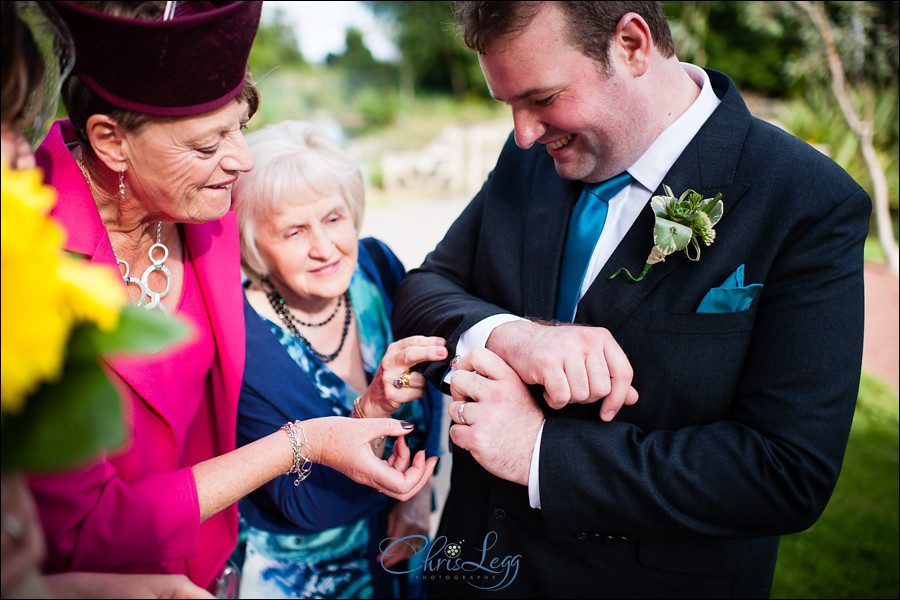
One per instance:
(60,317)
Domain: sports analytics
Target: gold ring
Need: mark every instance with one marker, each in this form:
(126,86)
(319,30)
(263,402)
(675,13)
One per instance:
(402,381)
(462,415)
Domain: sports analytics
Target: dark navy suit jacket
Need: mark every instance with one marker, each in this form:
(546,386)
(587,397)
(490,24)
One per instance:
(743,417)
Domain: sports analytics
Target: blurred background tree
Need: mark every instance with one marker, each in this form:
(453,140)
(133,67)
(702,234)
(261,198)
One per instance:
(825,71)
(275,47)
(433,58)
(832,70)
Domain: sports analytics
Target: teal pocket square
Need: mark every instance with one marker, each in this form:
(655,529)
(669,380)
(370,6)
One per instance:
(731,296)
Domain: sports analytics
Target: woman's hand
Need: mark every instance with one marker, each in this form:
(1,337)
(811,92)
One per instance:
(345,444)
(22,538)
(395,383)
(408,527)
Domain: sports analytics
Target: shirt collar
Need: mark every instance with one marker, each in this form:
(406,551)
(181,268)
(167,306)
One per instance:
(650,169)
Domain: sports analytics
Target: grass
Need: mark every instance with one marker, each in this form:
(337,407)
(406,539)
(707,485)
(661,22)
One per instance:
(852,550)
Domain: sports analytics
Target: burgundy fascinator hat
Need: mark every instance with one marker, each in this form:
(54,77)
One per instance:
(190,61)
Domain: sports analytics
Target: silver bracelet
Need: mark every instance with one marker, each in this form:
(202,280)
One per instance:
(302,465)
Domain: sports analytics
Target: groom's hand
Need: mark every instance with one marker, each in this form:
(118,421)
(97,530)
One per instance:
(496,418)
(576,364)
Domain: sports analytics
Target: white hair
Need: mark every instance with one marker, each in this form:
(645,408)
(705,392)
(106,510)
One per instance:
(295,163)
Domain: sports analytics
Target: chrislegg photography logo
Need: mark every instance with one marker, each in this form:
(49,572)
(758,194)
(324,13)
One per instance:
(455,560)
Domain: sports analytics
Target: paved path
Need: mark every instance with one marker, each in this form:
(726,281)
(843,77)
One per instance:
(412,229)
(881,349)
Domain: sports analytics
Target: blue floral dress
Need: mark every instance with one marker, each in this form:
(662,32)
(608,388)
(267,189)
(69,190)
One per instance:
(335,562)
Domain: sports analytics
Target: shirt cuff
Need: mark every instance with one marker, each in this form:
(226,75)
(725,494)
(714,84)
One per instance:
(534,483)
(476,337)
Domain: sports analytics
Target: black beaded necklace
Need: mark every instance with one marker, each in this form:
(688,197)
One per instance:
(284,313)
(271,288)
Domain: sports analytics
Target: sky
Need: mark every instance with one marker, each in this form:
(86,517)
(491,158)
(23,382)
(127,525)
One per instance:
(320,27)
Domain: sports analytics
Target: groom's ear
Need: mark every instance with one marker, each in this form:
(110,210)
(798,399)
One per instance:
(632,45)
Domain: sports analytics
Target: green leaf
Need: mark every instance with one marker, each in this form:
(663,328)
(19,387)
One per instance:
(696,246)
(65,423)
(695,199)
(715,209)
(670,236)
(141,331)
(659,206)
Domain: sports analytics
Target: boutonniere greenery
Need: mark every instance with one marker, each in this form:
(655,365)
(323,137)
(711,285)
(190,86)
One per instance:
(682,223)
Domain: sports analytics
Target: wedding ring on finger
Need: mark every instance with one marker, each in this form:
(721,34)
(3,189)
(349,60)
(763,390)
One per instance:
(402,381)
(462,413)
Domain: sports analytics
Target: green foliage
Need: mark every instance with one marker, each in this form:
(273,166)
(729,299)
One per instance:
(68,421)
(723,36)
(377,108)
(816,118)
(356,56)
(866,35)
(433,57)
(65,423)
(852,550)
(275,47)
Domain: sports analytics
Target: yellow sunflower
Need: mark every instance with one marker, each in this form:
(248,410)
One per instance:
(45,292)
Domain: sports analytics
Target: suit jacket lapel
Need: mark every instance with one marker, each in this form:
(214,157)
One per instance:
(706,166)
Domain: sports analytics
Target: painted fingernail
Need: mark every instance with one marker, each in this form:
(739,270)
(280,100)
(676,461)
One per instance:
(407,424)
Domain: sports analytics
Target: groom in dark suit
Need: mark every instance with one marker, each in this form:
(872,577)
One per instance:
(656,438)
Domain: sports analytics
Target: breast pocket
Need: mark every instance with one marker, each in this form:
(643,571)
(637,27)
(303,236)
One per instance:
(688,365)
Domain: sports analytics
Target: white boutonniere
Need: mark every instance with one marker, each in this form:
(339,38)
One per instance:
(681,224)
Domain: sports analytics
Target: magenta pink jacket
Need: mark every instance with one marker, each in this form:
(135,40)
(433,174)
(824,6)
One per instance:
(137,510)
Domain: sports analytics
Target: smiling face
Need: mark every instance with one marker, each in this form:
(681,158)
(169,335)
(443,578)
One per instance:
(592,123)
(310,249)
(183,169)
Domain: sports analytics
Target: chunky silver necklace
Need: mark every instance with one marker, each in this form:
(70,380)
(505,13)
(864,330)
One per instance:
(149,299)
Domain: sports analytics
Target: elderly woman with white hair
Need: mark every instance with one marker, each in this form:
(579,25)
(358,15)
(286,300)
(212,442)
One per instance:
(319,343)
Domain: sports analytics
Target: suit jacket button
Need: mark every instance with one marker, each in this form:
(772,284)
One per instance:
(581,536)
(596,536)
(499,514)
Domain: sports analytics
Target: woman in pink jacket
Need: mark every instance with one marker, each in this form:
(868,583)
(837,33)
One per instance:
(144,168)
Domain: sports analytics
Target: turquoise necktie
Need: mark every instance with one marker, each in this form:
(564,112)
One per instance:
(585,226)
